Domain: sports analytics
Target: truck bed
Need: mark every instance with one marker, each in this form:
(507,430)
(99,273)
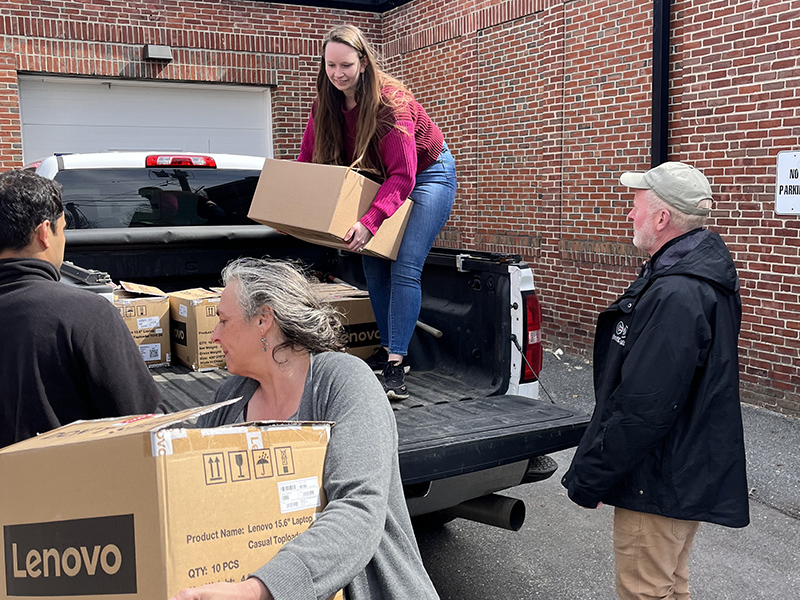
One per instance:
(183,388)
(464,431)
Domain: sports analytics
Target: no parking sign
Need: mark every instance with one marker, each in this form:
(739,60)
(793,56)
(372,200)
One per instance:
(787,186)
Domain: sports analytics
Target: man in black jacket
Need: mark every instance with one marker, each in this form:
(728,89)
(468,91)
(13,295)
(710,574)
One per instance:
(65,353)
(665,444)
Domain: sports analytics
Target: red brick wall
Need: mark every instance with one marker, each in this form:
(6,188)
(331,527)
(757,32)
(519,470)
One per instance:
(556,103)
(543,102)
(735,105)
(10,126)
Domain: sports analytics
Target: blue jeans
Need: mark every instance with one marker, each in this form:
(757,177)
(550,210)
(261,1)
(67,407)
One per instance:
(395,287)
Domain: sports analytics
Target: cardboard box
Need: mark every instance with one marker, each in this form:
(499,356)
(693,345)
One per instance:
(144,507)
(193,316)
(319,203)
(145,310)
(359,320)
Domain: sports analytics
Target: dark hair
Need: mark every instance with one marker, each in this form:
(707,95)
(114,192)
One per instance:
(26,201)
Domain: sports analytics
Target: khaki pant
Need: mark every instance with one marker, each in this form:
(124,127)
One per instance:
(652,554)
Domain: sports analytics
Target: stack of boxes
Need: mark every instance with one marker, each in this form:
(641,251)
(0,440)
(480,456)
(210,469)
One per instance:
(170,326)
(177,326)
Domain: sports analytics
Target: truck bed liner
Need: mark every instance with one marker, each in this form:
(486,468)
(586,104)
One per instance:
(457,434)
(183,388)
(480,433)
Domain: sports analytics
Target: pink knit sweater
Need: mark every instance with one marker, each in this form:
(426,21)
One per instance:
(403,156)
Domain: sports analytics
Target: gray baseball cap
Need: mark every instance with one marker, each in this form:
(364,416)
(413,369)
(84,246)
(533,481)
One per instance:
(676,183)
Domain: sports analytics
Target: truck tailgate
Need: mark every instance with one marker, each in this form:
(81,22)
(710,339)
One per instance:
(450,439)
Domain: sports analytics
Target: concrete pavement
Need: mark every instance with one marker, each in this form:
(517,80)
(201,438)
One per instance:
(564,552)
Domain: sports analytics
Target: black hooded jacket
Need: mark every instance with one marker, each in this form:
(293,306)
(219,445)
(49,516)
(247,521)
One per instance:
(65,355)
(666,435)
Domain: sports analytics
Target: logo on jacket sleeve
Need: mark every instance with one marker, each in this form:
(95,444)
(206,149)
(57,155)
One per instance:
(620,333)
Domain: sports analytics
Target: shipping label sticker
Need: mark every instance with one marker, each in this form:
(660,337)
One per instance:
(150,351)
(262,459)
(214,466)
(148,323)
(239,465)
(183,310)
(299,494)
(284,460)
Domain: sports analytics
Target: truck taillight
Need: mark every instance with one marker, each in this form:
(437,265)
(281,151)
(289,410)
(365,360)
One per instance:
(532,336)
(179,160)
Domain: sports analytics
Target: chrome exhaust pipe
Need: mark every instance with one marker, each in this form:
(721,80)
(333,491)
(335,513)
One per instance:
(493,509)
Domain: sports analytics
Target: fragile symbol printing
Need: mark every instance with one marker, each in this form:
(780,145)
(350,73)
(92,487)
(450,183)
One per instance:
(239,465)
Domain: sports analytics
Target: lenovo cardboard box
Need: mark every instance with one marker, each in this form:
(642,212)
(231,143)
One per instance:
(319,203)
(359,320)
(142,507)
(193,316)
(145,310)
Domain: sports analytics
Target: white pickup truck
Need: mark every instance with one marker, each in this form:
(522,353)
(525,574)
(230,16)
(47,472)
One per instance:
(473,425)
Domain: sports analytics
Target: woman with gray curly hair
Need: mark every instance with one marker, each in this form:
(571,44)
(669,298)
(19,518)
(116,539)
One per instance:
(283,346)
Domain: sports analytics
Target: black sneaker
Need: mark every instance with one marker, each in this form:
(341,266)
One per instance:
(394,381)
(377,361)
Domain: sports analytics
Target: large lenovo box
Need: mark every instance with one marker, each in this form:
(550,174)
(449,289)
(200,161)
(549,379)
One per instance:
(142,507)
(193,316)
(359,320)
(145,310)
(319,204)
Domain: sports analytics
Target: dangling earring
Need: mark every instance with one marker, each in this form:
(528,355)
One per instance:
(264,343)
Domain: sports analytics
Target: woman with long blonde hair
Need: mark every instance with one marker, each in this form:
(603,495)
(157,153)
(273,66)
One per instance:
(367,119)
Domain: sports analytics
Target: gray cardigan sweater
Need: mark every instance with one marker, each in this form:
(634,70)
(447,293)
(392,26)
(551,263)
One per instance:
(363,540)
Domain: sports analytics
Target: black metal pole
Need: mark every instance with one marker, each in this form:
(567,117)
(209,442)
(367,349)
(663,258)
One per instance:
(660,126)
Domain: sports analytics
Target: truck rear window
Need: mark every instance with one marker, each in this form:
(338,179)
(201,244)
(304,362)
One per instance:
(99,198)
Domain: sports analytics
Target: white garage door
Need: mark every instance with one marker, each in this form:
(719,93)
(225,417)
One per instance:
(62,114)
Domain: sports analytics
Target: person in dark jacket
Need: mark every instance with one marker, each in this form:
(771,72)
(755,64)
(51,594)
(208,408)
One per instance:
(665,444)
(65,353)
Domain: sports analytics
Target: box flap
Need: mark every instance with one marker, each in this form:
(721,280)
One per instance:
(84,431)
(194,294)
(145,290)
(337,291)
(164,440)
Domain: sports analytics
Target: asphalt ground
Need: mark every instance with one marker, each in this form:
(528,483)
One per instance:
(564,552)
